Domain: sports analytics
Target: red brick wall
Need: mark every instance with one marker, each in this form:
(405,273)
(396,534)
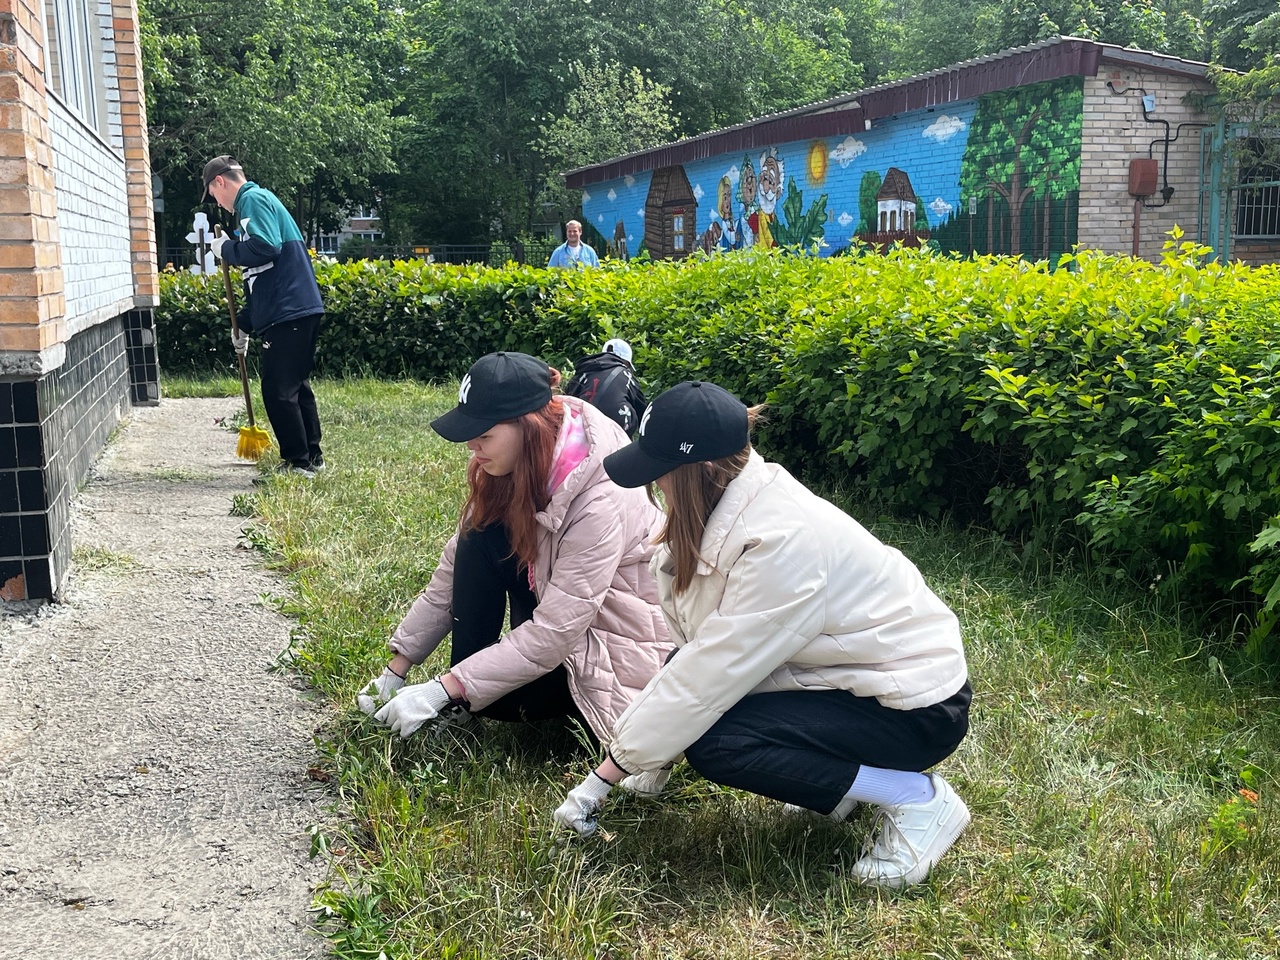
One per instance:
(32,307)
(137,154)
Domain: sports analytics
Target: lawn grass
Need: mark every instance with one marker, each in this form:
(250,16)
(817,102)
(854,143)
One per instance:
(1109,744)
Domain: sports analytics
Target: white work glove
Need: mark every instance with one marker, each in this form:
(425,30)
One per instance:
(379,691)
(649,784)
(240,342)
(580,811)
(413,706)
(216,244)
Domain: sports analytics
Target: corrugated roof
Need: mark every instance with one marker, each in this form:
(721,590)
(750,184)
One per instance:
(853,112)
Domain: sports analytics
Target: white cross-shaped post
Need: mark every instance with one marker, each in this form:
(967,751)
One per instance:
(199,235)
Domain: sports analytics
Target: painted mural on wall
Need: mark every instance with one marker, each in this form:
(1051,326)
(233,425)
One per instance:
(1000,174)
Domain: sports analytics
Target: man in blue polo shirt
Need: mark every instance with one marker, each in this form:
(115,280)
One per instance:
(282,307)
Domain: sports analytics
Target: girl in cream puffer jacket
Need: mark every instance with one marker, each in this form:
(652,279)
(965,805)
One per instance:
(814,665)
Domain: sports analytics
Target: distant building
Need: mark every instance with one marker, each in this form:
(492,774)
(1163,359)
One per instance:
(362,223)
(78,279)
(1030,151)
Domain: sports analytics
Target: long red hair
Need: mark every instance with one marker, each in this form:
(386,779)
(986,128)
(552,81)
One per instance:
(515,499)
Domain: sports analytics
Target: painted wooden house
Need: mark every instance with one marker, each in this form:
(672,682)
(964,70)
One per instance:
(78,279)
(1030,151)
(670,214)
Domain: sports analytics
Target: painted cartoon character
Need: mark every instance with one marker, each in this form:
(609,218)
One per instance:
(750,209)
(771,172)
(729,233)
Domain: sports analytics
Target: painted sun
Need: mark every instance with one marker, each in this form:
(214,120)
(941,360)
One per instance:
(817,162)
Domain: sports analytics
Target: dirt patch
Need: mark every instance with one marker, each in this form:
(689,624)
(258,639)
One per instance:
(153,792)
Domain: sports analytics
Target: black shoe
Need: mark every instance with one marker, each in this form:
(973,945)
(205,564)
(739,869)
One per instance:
(318,464)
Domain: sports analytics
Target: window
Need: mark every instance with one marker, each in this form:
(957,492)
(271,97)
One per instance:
(677,232)
(1258,190)
(74,59)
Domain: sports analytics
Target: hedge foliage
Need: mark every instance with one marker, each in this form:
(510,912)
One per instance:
(1110,404)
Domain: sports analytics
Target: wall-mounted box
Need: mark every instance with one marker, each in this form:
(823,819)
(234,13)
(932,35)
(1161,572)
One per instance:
(1144,177)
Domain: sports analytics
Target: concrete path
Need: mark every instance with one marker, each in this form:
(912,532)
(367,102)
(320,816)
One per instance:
(154,798)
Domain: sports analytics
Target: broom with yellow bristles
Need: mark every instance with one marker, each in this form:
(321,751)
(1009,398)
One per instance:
(254,441)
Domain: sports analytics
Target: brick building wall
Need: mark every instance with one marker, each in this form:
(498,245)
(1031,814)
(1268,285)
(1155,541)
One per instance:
(77,276)
(32,308)
(1256,251)
(1116,131)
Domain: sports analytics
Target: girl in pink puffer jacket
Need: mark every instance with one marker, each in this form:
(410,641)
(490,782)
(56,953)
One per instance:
(546,531)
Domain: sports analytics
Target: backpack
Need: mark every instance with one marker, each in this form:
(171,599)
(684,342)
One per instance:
(607,382)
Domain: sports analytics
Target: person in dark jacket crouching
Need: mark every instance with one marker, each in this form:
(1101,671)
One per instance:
(282,307)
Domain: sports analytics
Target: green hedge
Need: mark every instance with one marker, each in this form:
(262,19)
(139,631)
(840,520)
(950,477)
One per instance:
(1110,404)
(384,318)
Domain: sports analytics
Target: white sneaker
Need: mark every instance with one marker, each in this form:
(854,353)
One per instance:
(910,839)
(841,813)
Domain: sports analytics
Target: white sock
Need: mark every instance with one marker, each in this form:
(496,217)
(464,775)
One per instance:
(890,788)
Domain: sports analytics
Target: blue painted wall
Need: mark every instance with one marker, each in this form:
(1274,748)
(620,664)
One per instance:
(925,149)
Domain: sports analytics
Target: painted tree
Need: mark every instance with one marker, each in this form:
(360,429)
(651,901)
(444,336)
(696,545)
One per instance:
(868,190)
(922,217)
(1024,143)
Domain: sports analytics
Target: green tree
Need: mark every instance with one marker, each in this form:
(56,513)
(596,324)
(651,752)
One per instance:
(296,89)
(925,34)
(1245,33)
(611,111)
(479,77)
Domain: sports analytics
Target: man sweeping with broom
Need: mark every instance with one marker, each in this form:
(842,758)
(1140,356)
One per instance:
(282,307)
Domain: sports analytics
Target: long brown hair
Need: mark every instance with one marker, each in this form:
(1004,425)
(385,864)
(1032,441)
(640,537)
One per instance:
(696,489)
(515,499)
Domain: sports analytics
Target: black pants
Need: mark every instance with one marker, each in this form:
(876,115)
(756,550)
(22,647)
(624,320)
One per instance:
(485,578)
(806,747)
(288,355)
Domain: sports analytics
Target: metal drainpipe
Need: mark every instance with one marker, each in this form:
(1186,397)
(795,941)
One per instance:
(1137,224)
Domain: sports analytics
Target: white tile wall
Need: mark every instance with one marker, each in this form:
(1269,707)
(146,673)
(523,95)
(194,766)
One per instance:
(93,215)
(93,207)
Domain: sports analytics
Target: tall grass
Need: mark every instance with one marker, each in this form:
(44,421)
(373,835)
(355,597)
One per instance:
(1108,750)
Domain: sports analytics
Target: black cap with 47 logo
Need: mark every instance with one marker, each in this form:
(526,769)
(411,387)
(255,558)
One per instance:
(691,422)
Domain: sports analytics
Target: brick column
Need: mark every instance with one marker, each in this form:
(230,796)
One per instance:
(32,306)
(137,152)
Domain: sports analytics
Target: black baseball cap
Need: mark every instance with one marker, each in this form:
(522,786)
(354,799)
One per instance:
(499,386)
(690,423)
(218,167)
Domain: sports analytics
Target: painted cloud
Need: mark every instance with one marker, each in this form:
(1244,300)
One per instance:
(629,180)
(941,208)
(848,150)
(612,195)
(944,128)
(697,191)
(844,219)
